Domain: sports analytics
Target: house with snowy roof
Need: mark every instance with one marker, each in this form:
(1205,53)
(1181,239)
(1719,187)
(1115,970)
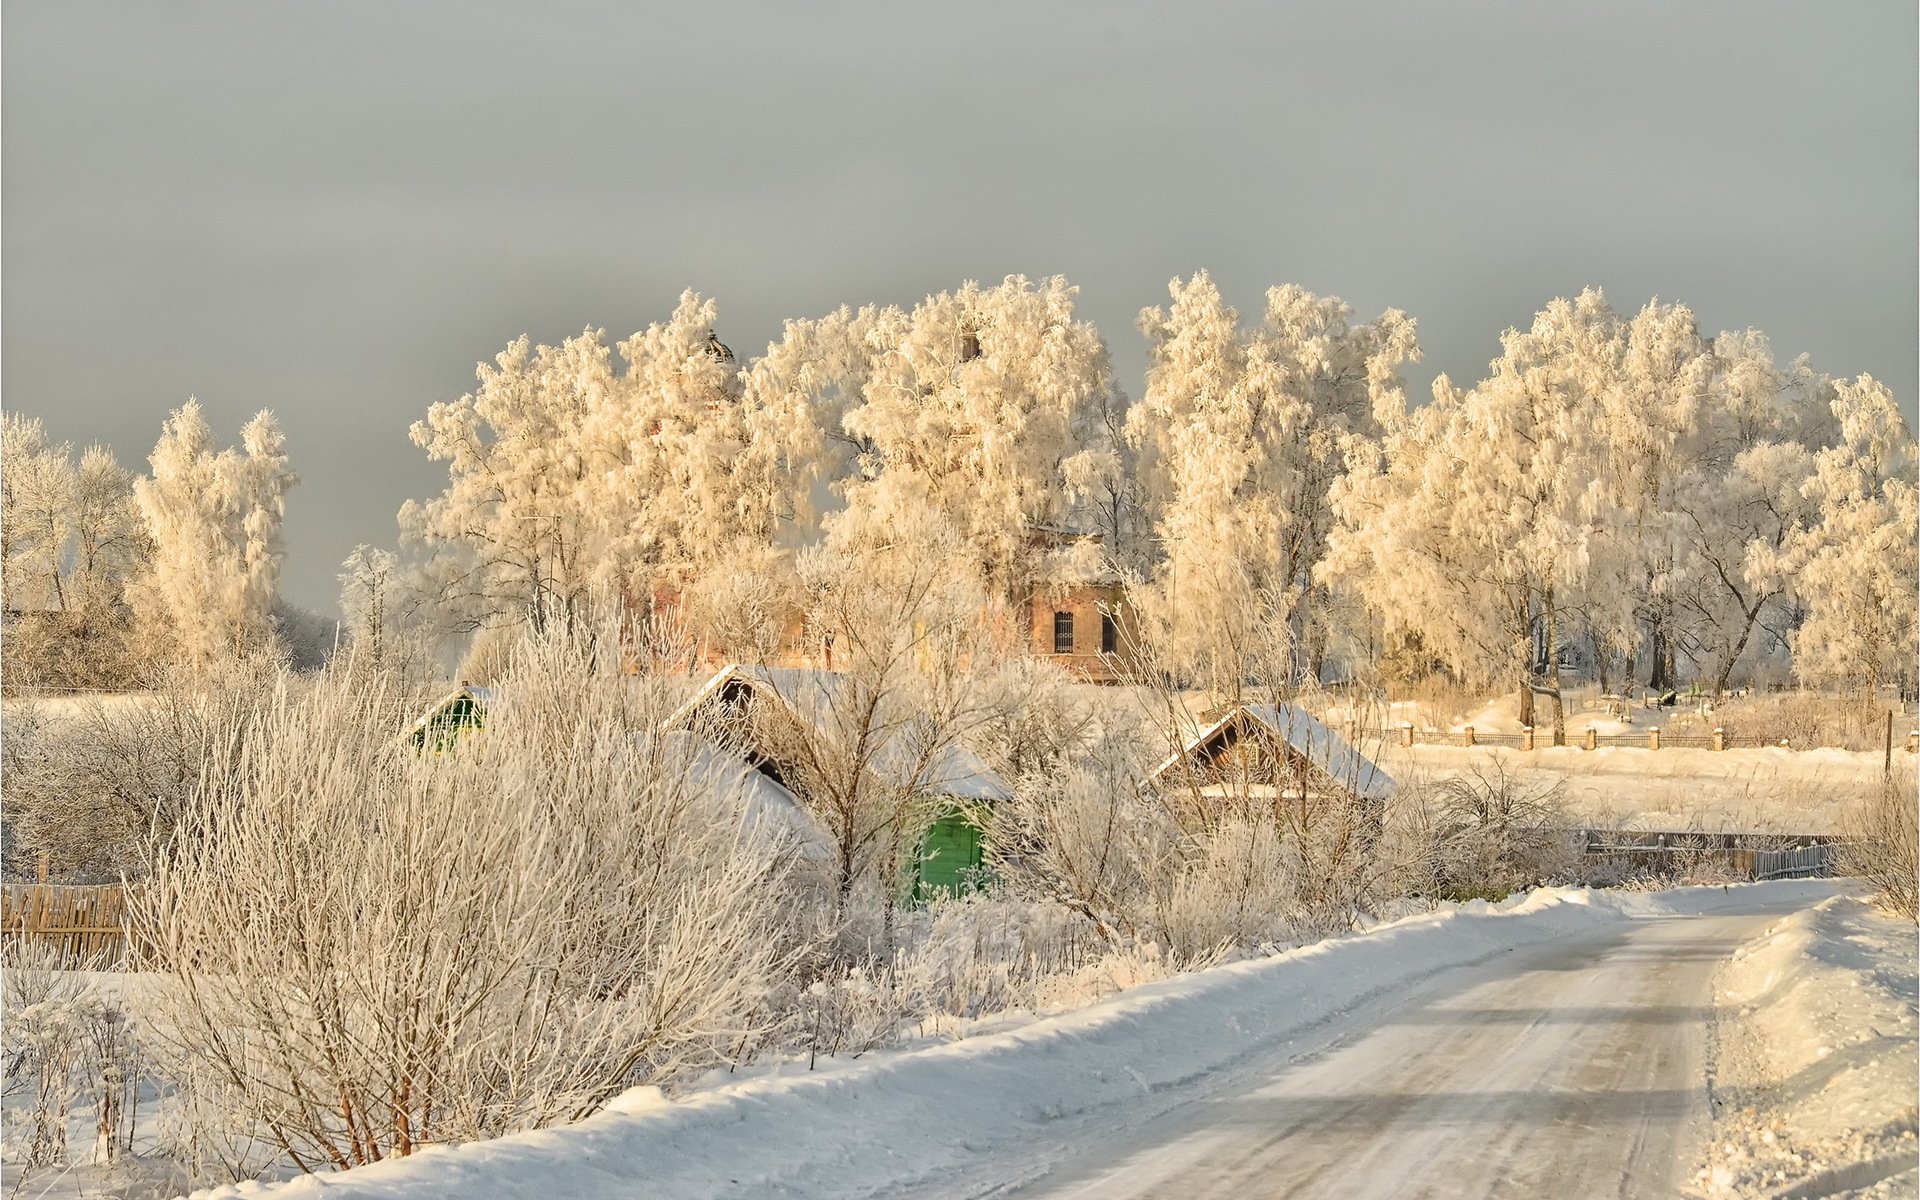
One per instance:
(1279,751)
(451,717)
(952,789)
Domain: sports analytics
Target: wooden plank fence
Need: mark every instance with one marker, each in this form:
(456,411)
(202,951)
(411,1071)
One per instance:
(86,926)
(1751,856)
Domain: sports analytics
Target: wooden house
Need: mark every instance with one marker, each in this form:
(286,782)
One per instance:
(954,788)
(1280,752)
(451,717)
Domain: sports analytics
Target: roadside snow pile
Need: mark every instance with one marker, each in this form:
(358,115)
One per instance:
(885,1123)
(1814,1072)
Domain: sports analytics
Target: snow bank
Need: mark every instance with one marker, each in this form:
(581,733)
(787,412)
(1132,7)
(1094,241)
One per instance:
(882,1124)
(1814,1060)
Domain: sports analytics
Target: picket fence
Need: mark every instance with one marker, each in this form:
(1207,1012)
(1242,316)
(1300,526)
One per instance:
(85,926)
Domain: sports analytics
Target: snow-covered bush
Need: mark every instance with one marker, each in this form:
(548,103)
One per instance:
(1804,721)
(69,1048)
(1495,832)
(95,787)
(1144,867)
(1883,844)
(371,950)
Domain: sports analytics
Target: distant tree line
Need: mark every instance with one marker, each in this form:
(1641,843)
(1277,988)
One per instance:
(1665,505)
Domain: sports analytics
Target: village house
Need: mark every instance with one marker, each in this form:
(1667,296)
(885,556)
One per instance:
(951,793)
(1280,753)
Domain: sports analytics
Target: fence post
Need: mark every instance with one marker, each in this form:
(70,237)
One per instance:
(1468,734)
(1526,737)
(1653,738)
(1406,733)
(1719,738)
(1593,738)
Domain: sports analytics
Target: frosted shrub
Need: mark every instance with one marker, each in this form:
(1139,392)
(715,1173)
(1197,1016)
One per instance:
(371,950)
(96,789)
(68,1048)
(1495,833)
(983,953)
(849,1013)
(1236,885)
(42,1045)
(1883,844)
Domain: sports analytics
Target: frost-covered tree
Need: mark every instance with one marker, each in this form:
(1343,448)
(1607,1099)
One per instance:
(990,406)
(1856,570)
(566,475)
(1240,436)
(894,605)
(213,520)
(70,539)
(386,625)
(36,495)
(1737,502)
(1471,528)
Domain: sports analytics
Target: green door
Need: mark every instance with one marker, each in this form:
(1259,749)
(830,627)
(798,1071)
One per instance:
(951,855)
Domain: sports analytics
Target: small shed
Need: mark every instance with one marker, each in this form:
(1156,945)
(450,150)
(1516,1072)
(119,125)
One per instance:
(958,787)
(1281,747)
(450,718)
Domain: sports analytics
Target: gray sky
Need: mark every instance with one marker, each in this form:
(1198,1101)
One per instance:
(334,210)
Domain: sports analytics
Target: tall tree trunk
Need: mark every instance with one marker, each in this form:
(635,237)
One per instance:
(1553,673)
(1660,654)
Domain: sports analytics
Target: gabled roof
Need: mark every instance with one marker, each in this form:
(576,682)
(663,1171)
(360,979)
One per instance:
(1300,730)
(482,696)
(955,772)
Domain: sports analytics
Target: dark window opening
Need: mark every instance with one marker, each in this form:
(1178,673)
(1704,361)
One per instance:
(1109,634)
(1063,633)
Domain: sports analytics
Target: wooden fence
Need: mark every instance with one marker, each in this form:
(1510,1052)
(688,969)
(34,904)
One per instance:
(1651,738)
(85,926)
(1748,856)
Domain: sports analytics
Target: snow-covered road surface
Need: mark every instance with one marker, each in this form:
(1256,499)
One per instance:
(1570,1069)
(1551,1048)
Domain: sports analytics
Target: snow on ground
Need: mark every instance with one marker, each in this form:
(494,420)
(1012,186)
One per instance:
(1814,1077)
(1768,790)
(893,1120)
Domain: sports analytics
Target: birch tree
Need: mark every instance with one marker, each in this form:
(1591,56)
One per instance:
(213,520)
(566,475)
(1857,577)
(1240,436)
(1471,527)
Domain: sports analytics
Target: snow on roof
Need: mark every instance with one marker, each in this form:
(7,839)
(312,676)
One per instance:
(1299,729)
(483,696)
(811,695)
(766,805)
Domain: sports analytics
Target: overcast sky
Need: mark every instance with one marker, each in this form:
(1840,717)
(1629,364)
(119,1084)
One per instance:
(334,210)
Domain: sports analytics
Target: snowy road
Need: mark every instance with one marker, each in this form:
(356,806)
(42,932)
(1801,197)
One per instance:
(1552,1048)
(1570,1069)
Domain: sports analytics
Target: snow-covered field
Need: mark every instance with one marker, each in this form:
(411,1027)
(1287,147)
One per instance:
(1767,790)
(923,1122)
(1814,1067)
